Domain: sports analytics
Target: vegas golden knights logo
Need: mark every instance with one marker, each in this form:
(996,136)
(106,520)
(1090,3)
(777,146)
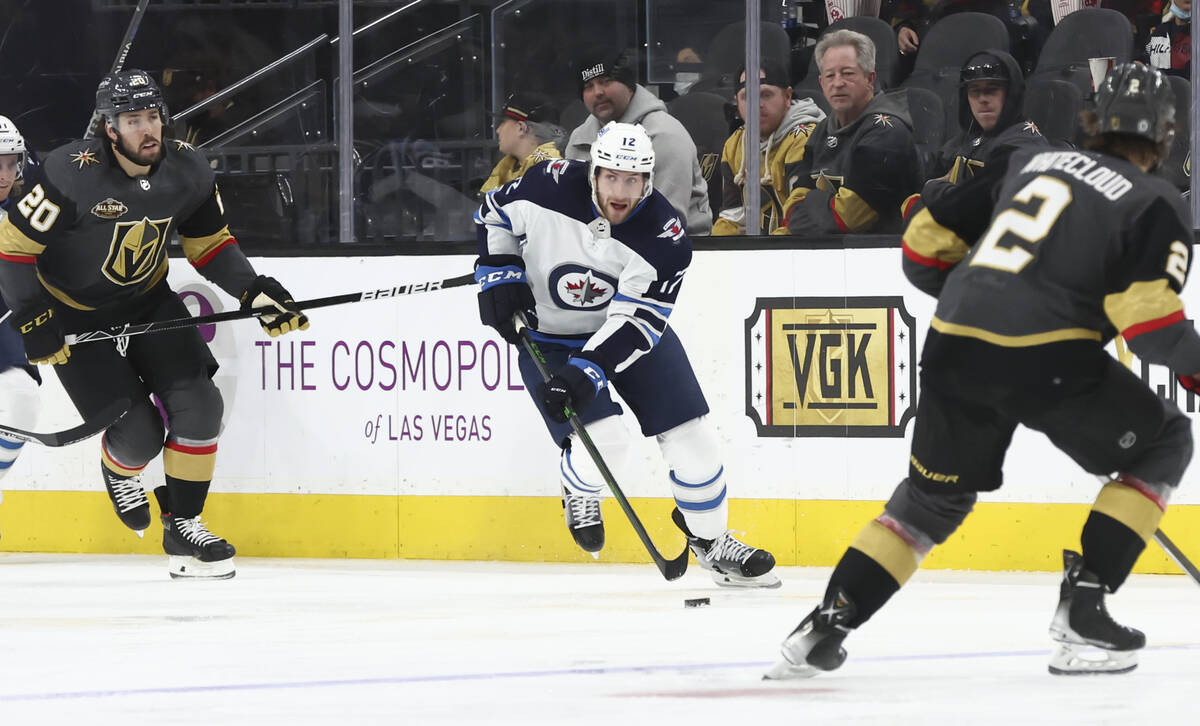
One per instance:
(136,250)
(836,366)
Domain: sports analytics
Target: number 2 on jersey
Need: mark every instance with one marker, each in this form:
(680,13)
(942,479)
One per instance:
(1053,194)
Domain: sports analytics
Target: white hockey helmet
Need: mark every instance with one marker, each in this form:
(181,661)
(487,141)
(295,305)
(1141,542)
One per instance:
(12,142)
(624,147)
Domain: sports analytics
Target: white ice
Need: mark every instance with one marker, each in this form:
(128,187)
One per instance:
(111,639)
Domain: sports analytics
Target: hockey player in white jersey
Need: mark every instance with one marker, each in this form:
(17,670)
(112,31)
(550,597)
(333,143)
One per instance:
(594,257)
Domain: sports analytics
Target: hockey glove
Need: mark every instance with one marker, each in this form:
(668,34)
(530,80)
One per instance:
(574,386)
(503,292)
(43,336)
(266,291)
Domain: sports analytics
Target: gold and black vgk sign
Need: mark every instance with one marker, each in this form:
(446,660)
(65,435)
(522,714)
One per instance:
(837,366)
(136,250)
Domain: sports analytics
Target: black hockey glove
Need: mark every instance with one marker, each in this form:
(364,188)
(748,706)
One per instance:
(503,292)
(43,336)
(266,291)
(574,386)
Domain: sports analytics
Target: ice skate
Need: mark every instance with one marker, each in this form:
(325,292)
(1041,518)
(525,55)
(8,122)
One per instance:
(816,644)
(584,520)
(1089,640)
(194,552)
(730,562)
(128,498)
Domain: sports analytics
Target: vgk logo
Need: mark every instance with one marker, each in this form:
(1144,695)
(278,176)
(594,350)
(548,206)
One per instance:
(136,250)
(830,366)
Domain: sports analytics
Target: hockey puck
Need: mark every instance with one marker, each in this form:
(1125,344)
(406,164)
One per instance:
(697,602)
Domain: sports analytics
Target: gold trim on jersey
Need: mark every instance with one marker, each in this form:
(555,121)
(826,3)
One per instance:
(136,250)
(1014,341)
(888,549)
(15,242)
(1141,302)
(61,296)
(926,237)
(1129,507)
(197,248)
(852,212)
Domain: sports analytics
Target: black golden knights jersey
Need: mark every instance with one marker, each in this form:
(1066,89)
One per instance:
(1081,246)
(94,237)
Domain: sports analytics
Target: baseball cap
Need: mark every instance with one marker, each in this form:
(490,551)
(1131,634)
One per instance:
(527,107)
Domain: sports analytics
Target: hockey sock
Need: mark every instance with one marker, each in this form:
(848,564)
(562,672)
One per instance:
(185,497)
(1126,514)
(877,564)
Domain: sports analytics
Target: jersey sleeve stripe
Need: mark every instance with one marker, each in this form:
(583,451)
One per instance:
(501,216)
(15,245)
(19,259)
(1142,307)
(850,212)
(928,243)
(922,260)
(663,310)
(200,250)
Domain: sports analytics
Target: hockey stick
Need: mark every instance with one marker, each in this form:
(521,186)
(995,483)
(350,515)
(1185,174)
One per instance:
(412,288)
(122,54)
(670,569)
(1177,555)
(108,416)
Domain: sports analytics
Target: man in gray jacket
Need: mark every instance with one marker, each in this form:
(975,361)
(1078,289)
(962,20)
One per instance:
(611,93)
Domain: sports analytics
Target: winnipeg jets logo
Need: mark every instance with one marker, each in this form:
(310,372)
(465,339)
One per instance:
(672,230)
(882,119)
(85,157)
(556,168)
(576,287)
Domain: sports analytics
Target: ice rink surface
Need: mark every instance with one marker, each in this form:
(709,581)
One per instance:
(112,640)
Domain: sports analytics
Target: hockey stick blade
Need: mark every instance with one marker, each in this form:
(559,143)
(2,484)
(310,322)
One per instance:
(120,331)
(670,569)
(1177,555)
(108,416)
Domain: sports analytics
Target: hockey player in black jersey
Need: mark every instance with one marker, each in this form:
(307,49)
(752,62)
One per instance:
(1081,246)
(85,249)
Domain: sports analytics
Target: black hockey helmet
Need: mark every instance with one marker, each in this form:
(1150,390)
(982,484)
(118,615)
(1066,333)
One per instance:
(130,90)
(1136,99)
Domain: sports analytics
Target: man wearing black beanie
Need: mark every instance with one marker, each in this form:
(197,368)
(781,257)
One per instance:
(610,92)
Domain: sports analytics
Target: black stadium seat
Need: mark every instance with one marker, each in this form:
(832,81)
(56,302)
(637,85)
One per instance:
(703,115)
(727,54)
(1084,34)
(929,129)
(1177,168)
(1054,105)
(946,48)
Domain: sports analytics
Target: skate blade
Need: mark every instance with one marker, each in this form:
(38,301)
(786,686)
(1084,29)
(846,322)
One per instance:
(183,567)
(785,670)
(1074,659)
(765,581)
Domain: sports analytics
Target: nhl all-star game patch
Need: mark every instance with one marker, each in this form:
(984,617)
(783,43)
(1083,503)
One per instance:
(109,209)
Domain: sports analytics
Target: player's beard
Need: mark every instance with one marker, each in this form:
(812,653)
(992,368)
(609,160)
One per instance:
(139,157)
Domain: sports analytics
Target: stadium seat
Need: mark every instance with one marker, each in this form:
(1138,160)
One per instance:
(945,49)
(1054,105)
(727,54)
(929,129)
(1177,168)
(703,115)
(1084,34)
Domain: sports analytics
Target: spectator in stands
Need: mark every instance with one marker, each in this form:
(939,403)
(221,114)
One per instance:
(991,89)
(784,127)
(610,93)
(528,130)
(1170,46)
(861,162)
(912,20)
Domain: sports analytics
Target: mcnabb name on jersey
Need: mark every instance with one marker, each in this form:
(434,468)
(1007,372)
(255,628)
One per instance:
(831,366)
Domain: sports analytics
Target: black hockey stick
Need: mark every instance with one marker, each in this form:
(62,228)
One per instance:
(670,569)
(107,417)
(120,331)
(122,54)
(1177,555)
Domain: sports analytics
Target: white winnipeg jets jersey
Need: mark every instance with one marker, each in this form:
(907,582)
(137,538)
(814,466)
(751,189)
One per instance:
(613,286)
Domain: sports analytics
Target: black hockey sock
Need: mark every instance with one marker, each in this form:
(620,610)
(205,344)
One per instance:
(1110,549)
(866,581)
(186,498)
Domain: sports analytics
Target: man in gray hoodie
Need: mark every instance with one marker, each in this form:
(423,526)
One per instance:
(611,93)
